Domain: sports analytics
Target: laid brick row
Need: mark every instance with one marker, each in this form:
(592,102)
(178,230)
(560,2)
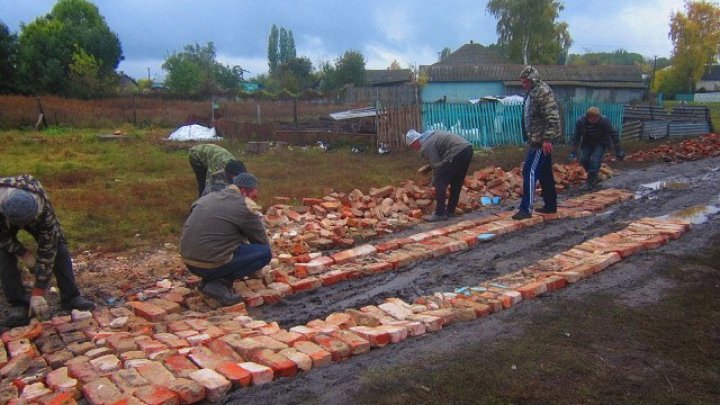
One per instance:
(282,279)
(135,354)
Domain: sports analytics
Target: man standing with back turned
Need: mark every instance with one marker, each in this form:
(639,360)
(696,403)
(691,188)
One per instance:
(541,128)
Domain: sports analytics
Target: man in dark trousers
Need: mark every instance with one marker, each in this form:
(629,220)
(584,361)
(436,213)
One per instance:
(24,205)
(594,134)
(541,128)
(449,156)
(214,167)
(224,238)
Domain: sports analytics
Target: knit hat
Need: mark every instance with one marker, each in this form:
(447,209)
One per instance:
(245,180)
(20,208)
(530,73)
(412,136)
(234,167)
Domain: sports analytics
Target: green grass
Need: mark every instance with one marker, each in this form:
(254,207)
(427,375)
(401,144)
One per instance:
(593,351)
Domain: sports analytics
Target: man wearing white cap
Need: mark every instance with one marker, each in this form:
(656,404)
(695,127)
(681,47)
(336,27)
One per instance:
(449,156)
(24,205)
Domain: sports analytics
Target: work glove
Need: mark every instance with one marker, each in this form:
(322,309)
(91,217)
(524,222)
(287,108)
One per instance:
(29,259)
(38,305)
(619,154)
(547,148)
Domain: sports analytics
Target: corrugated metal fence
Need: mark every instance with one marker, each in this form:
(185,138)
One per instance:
(489,124)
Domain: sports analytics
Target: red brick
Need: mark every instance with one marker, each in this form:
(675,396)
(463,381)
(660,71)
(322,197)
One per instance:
(554,283)
(363,318)
(333,277)
(60,381)
(281,366)
(205,358)
(180,366)
(216,385)
(187,391)
(150,312)
(83,371)
(101,391)
(61,398)
(29,332)
(356,343)
(287,338)
(341,319)
(128,380)
(235,309)
(306,284)
(222,349)
(260,374)
(379,267)
(238,376)
(532,289)
(319,356)
(156,395)
(376,337)
(432,323)
(338,349)
(155,372)
(301,360)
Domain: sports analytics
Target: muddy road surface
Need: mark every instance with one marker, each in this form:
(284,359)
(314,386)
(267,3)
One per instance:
(634,280)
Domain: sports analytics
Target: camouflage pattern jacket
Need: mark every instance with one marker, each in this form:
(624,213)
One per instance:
(45,229)
(541,116)
(213,158)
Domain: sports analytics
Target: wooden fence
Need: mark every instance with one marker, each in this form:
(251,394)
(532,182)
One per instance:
(393,123)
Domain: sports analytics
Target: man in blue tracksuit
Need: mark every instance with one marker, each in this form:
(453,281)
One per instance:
(541,127)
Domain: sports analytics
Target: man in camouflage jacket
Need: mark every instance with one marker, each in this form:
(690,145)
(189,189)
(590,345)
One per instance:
(24,205)
(214,167)
(541,128)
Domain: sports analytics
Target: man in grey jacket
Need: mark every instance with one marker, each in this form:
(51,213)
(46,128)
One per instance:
(449,156)
(224,238)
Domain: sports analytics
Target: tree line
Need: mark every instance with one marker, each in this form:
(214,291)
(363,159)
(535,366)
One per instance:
(72,52)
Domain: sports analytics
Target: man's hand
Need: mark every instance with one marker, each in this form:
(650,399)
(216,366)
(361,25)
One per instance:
(29,259)
(547,147)
(38,305)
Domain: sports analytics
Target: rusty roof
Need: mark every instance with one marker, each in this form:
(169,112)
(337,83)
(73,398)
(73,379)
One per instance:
(472,54)
(387,76)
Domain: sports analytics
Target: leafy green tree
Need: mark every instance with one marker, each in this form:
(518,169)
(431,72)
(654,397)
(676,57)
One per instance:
(617,57)
(528,31)
(350,69)
(273,52)
(296,74)
(48,46)
(195,72)
(696,40)
(8,60)
(668,82)
(445,53)
(85,80)
(284,46)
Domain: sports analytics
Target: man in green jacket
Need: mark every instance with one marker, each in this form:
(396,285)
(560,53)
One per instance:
(214,167)
(449,156)
(24,205)
(224,238)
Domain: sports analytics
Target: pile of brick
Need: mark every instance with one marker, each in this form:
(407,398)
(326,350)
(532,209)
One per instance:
(154,353)
(340,219)
(687,150)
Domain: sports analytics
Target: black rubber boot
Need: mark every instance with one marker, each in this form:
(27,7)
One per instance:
(78,303)
(219,290)
(17,316)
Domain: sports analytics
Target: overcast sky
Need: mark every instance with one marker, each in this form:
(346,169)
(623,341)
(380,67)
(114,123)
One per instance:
(413,32)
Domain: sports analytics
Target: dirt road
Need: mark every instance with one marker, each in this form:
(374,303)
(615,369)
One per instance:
(635,282)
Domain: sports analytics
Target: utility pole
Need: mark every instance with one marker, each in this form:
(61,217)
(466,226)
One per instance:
(652,78)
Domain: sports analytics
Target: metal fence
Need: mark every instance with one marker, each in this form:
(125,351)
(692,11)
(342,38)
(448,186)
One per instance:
(488,124)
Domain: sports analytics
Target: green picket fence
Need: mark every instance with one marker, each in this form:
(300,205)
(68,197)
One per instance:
(489,124)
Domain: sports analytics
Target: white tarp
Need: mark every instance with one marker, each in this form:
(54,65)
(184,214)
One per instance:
(194,133)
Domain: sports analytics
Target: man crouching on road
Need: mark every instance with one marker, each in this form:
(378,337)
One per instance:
(24,205)
(224,239)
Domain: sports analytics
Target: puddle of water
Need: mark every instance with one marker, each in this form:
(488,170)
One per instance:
(695,215)
(649,188)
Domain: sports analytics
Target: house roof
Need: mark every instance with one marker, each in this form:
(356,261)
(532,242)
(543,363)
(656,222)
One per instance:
(472,54)
(548,73)
(713,74)
(387,76)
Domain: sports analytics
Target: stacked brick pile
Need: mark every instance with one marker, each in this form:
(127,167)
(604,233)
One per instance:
(160,351)
(339,219)
(687,150)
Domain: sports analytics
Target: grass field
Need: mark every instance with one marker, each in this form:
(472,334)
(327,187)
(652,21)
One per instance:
(115,195)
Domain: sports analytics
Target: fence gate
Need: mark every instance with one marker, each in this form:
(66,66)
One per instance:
(394,122)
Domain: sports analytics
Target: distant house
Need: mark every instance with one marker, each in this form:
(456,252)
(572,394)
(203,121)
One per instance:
(710,82)
(388,77)
(127,84)
(474,71)
(250,87)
